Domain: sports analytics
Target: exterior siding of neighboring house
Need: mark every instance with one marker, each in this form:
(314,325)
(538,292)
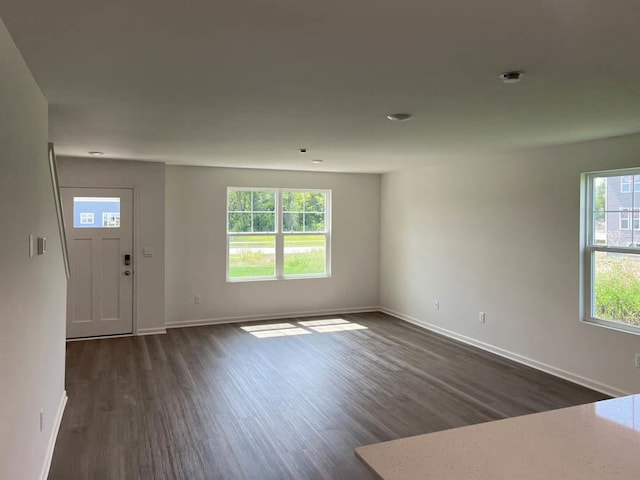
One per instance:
(622,227)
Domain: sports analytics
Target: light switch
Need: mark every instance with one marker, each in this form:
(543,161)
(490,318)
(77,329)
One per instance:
(147,251)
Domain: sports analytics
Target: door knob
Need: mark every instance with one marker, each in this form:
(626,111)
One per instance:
(127,272)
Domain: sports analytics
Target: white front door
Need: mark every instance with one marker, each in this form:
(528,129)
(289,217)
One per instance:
(99,227)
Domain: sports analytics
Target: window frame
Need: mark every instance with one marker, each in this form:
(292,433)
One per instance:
(589,249)
(279,234)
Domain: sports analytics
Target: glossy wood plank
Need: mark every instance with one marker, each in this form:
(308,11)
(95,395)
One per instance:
(216,402)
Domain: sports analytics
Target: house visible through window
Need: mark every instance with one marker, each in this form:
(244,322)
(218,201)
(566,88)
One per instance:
(277,233)
(612,250)
(111,219)
(86,218)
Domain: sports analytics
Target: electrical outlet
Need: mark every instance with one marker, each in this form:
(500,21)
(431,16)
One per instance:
(42,245)
(197,299)
(436,304)
(482,317)
(637,360)
(41,420)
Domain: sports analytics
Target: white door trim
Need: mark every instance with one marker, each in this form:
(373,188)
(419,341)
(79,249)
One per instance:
(136,252)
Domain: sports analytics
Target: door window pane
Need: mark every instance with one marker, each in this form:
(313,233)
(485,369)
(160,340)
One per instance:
(96,212)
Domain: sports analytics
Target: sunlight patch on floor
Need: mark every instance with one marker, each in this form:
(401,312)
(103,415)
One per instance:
(272,326)
(280,333)
(317,323)
(307,327)
(338,328)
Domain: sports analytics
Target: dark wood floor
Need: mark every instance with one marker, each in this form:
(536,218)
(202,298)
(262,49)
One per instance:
(218,403)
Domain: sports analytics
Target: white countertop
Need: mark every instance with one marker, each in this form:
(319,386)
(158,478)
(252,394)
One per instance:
(599,440)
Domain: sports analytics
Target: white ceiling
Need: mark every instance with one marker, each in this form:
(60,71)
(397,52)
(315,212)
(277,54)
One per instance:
(245,83)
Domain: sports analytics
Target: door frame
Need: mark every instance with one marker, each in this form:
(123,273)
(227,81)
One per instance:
(136,257)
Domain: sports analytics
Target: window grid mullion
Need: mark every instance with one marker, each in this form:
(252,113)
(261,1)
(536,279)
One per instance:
(633,210)
(251,212)
(304,212)
(279,237)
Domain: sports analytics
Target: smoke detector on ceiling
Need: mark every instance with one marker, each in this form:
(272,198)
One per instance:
(511,77)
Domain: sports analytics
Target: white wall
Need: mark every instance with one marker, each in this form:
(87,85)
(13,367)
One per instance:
(501,235)
(196,247)
(32,291)
(147,179)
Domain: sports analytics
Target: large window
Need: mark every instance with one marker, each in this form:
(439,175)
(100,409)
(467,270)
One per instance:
(277,233)
(612,250)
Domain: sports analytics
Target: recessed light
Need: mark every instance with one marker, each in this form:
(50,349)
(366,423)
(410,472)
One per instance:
(400,117)
(317,161)
(96,154)
(511,77)
(302,150)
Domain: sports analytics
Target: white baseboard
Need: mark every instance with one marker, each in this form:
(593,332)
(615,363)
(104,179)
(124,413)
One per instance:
(140,332)
(269,316)
(82,339)
(151,331)
(572,377)
(44,473)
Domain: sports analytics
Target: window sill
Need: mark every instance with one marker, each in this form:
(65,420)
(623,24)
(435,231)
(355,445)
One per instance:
(275,279)
(618,327)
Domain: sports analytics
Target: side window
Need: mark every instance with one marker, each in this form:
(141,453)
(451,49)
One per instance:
(612,250)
